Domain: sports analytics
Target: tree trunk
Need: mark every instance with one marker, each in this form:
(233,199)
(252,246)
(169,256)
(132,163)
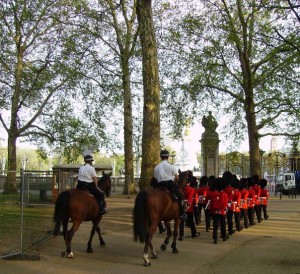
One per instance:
(151,110)
(10,185)
(128,129)
(13,131)
(254,151)
(245,50)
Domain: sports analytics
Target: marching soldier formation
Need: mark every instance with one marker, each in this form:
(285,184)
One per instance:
(227,204)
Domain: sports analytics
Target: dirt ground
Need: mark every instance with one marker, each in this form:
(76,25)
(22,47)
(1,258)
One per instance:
(272,246)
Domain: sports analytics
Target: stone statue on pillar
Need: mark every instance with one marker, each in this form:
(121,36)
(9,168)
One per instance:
(210,146)
(209,123)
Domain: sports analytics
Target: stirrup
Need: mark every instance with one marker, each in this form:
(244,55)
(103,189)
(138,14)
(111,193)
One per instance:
(102,211)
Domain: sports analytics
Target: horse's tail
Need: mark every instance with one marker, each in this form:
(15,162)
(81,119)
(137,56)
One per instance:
(140,219)
(61,209)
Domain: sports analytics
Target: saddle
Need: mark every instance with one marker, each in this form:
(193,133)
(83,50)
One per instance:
(81,186)
(171,194)
(156,185)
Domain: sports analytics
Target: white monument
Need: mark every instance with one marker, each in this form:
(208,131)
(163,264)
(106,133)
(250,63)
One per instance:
(186,158)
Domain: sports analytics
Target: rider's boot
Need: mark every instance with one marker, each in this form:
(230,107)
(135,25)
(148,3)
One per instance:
(181,210)
(102,208)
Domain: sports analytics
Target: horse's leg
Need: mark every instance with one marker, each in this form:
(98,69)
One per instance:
(148,244)
(65,231)
(65,228)
(101,240)
(163,247)
(89,248)
(175,234)
(69,237)
(94,228)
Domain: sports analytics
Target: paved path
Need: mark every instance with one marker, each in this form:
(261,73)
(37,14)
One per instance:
(272,246)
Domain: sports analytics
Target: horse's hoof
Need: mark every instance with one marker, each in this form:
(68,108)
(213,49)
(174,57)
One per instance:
(147,263)
(175,250)
(63,254)
(102,243)
(70,255)
(89,250)
(163,247)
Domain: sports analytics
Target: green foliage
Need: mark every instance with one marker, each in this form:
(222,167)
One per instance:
(214,44)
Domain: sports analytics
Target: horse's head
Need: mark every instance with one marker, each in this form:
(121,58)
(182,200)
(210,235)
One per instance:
(104,183)
(182,179)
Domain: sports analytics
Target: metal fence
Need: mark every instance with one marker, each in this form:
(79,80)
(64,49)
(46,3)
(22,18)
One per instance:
(24,221)
(26,216)
(272,164)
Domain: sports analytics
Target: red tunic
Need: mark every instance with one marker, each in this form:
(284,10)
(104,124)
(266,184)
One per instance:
(229,190)
(202,193)
(190,198)
(208,198)
(264,196)
(219,203)
(236,201)
(251,197)
(244,198)
(257,190)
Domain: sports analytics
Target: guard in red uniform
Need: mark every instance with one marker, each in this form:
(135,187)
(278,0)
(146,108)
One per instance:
(218,207)
(236,203)
(244,201)
(257,189)
(202,193)
(251,201)
(194,184)
(229,190)
(264,197)
(191,199)
(211,181)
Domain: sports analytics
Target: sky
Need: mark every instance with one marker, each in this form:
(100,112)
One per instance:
(195,137)
(196,133)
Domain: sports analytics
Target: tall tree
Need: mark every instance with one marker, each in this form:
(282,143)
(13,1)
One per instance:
(236,56)
(113,24)
(35,64)
(151,110)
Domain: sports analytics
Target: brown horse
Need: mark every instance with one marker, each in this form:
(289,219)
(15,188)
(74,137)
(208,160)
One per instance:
(78,205)
(150,208)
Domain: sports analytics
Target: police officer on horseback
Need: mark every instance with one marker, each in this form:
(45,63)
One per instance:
(87,177)
(166,176)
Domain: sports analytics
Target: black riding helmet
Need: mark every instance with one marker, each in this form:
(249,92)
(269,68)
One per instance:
(164,153)
(88,158)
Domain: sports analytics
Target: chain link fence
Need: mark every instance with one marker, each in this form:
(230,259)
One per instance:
(26,217)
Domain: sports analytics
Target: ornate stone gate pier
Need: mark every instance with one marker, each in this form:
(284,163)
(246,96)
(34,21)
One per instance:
(210,146)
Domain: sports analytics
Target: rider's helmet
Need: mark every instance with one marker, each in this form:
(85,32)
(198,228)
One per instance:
(164,153)
(88,158)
